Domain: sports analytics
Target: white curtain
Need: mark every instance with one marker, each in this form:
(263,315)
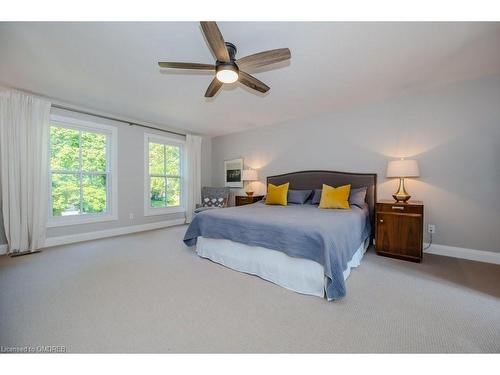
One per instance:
(193,155)
(24,143)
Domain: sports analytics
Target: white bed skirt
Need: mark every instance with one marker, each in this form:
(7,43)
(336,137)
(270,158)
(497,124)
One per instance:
(300,275)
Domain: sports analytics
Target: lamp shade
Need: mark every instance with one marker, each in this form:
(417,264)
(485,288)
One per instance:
(402,168)
(249,175)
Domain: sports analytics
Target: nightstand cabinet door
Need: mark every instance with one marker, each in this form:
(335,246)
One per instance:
(399,230)
(387,229)
(411,236)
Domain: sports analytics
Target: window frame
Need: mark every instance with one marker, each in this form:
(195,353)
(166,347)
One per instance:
(152,211)
(111,172)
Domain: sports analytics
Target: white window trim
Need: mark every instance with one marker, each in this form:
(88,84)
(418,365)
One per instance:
(112,181)
(148,210)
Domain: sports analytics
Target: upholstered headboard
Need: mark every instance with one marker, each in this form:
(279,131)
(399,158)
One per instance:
(316,179)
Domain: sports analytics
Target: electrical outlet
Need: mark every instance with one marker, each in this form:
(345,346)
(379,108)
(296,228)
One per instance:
(131,216)
(431,228)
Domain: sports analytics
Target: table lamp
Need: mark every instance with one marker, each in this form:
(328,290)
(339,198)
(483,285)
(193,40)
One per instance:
(249,175)
(402,169)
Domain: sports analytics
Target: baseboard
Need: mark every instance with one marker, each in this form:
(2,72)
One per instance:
(460,252)
(3,249)
(80,237)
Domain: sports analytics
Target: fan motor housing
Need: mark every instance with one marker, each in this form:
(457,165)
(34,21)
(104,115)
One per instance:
(230,65)
(231,49)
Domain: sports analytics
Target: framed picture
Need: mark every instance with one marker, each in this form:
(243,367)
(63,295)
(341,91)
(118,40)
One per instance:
(232,173)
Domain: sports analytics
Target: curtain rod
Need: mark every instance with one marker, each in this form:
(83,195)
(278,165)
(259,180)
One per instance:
(115,119)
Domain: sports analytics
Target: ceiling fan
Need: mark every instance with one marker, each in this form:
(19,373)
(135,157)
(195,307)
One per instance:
(227,68)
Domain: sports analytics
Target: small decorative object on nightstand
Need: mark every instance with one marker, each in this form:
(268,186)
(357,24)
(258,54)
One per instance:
(402,168)
(249,175)
(241,200)
(399,229)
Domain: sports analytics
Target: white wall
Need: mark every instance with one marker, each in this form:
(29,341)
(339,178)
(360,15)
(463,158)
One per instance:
(130,180)
(453,131)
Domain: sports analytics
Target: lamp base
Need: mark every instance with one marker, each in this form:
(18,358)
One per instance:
(249,193)
(401,195)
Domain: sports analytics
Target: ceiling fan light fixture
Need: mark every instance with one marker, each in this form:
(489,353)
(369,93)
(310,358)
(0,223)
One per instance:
(227,73)
(227,66)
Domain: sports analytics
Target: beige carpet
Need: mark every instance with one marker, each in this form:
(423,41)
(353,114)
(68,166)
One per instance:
(147,292)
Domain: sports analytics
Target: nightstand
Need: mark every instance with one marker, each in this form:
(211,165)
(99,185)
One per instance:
(241,200)
(399,229)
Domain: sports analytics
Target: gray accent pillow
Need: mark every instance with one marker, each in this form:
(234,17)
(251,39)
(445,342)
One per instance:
(357,196)
(298,196)
(316,197)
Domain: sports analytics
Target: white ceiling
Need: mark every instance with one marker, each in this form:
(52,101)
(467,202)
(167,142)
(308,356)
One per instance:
(112,67)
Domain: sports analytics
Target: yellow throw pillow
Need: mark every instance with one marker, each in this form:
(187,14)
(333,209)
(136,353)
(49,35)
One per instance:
(335,197)
(277,194)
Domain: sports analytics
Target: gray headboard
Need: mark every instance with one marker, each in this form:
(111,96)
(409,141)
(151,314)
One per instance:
(316,179)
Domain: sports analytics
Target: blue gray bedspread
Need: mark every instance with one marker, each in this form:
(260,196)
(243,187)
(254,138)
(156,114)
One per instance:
(329,237)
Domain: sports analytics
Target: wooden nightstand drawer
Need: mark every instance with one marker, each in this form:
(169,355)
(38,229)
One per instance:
(400,208)
(245,200)
(241,200)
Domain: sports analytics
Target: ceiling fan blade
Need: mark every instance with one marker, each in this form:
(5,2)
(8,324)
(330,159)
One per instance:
(215,40)
(214,86)
(252,82)
(264,58)
(183,65)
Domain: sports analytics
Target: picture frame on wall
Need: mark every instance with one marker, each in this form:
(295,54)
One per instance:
(232,173)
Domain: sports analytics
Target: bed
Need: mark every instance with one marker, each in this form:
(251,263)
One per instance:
(300,247)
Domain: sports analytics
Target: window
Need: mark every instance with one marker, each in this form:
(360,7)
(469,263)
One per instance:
(164,175)
(81,171)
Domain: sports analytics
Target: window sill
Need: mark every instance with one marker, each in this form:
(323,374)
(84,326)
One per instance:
(77,220)
(163,211)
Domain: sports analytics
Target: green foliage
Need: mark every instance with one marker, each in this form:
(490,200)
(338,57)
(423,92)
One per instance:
(173,161)
(66,146)
(64,149)
(65,193)
(164,170)
(173,192)
(94,194)
(156,158)
(93,152)
(157,185)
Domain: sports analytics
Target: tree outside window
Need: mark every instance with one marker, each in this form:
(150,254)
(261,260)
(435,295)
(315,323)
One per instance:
(79,171)
(164,175)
